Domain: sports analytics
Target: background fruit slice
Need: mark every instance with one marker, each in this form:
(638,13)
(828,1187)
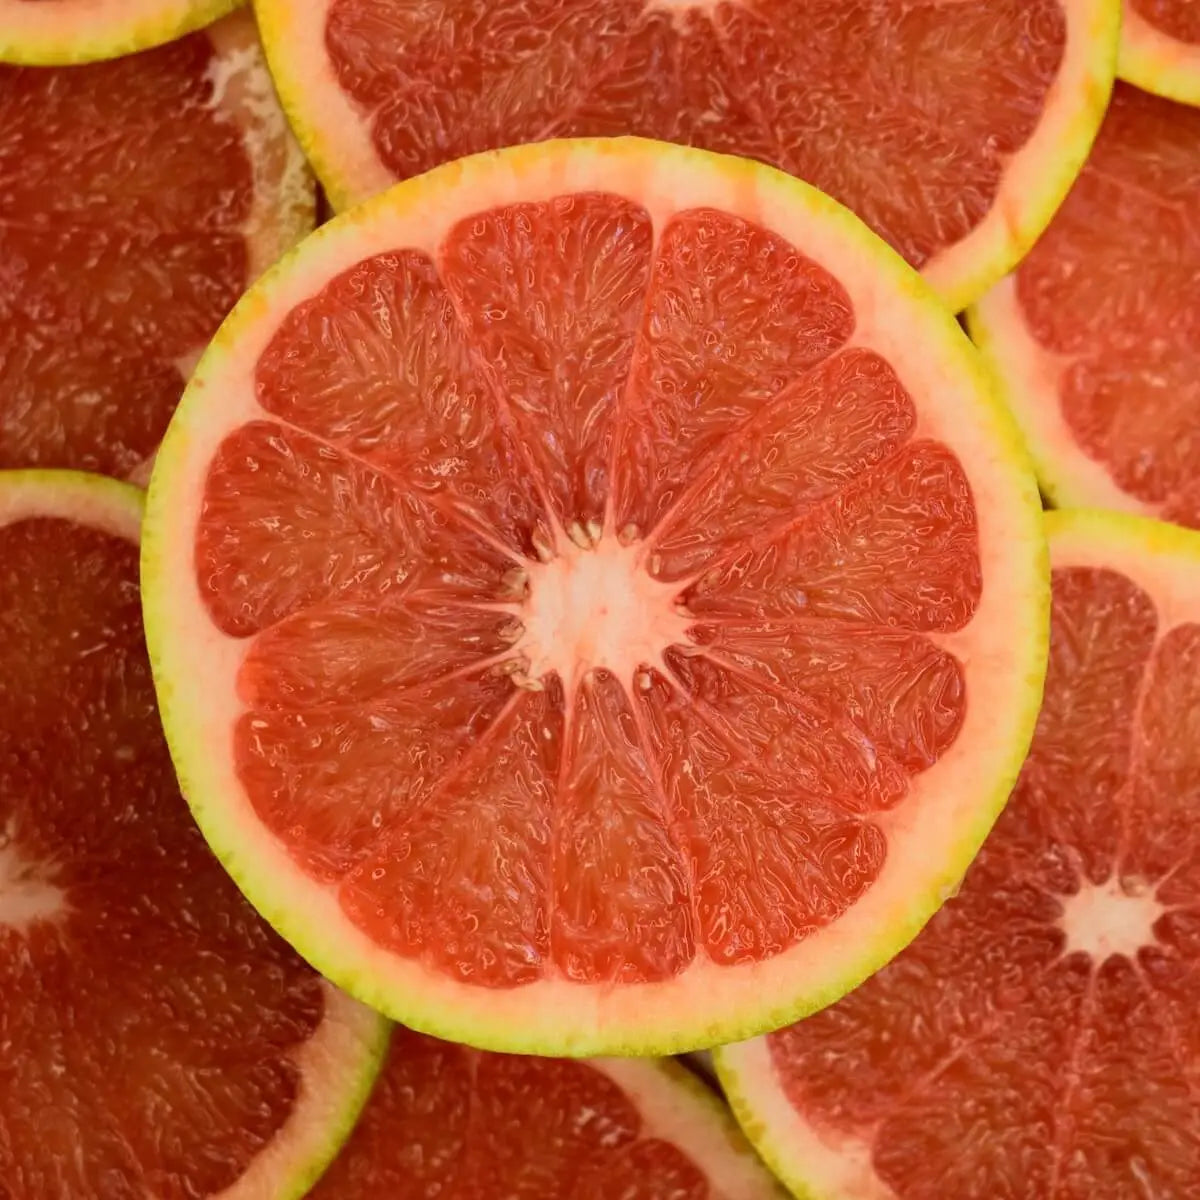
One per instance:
(1160,48)
(447,1121)
(62,32)
(159,1039)
(953,129)
(140,198)
(595,600)
(1095,339)
(1040,1038)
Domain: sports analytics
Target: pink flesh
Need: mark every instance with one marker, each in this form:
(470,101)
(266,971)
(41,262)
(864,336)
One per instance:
(123,195)
(989,1060)
(548,374)
(1114,288)
(450,1122)
(148,1029)
(906,111)
(1179,19)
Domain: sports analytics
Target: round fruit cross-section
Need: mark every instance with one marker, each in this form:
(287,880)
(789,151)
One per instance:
(158,1038)
(953,130)
(463,1124)
(1095,339)
(596,603)
(62,32)
(1160,47)
(1041,1037)
(138,198)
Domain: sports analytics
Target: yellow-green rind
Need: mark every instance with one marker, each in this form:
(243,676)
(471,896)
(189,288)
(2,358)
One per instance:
(216,815)
(63,46)
(1157,63)
(94,500)
(1150,539)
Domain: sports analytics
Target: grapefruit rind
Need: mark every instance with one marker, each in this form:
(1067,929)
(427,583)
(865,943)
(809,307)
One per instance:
(1157,63)
(68,32)
(195,666)
(339,1063)
(1162,558)
(338,143)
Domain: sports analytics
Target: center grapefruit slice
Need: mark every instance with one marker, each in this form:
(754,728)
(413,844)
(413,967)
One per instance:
(156,1038)
(1041,1038)
(458,1124)
(596,602)
(952,129)
(1160,47)
(138,198)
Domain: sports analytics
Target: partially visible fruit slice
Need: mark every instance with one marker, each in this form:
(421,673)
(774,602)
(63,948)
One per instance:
(459,1124)
(1095,339)
(156,1038)
(1041,1037)
(954,130)
(1160,48)
(63,32)
(596,601)
(138,198)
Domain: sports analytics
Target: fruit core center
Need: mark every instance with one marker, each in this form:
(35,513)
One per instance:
(1110,918)
(27,890)
(594,605)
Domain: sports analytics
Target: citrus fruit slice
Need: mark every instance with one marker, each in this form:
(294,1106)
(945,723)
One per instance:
(1160,48)
(1095,338)
(63,32)
(954,130)
(158,1039)
(1041,1036)
(596,603)
(140,197)
(456,1123)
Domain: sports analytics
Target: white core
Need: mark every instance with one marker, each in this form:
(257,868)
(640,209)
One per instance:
(1110,918)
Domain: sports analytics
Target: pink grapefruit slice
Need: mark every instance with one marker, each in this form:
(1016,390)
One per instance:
(64,32)
(157,1038)
(1095,339)
(954,130)
(139,198)
(462,1124)
(1041,1036)
(1160,48)
(596,602)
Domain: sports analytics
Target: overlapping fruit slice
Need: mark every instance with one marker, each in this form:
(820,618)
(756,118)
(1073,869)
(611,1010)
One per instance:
(596,602)
(459,1124)
(138,198)
(1040,1037)
(954,130)
(1160,48)
(1096,337)
(156,1038)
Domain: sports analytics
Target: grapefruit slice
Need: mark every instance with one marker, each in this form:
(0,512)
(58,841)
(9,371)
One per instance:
(159,1039)
(954,130)
(1095,339)
(1041,1036)
(464,1125)
(63,32)
(140,197)
(596,602)
(1160,48)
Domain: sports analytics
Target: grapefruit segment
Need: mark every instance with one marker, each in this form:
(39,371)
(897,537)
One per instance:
(1040,1023)
(162,1039)
(1160,48)
(141,196)
(1094,337)
(952,129)
(501,764)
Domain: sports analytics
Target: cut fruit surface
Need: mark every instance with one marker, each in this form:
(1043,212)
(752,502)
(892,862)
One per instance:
(1095,339)
(954,130)
(158,1038)
(1040,1037)
(138,198)
(1160,48)
(596,602)
(462,1124)
(63,32)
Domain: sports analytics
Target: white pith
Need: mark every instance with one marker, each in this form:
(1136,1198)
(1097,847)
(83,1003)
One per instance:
(28,892)
(1110,918)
